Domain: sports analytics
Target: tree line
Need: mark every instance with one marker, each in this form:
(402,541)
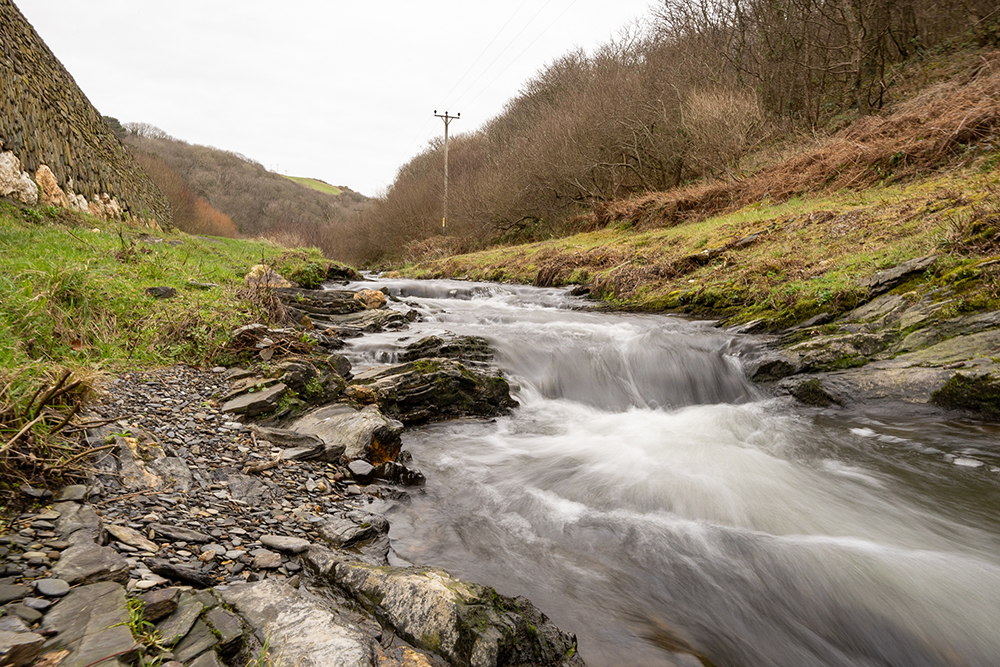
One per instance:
(692,94)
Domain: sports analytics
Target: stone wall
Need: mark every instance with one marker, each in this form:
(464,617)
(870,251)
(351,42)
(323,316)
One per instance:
(46,119)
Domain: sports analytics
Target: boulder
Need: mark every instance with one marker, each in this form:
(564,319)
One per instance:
(352,434)
(361,471)
(256,403)
(296,445)
(465,348)
(465,623)
(315,384)
(883,281)
(347,529)
(92,623)
(370,299)
(399,473)
(50,194)
(433,389)
(261,275)
(15,183)
(301,628)
(340,364)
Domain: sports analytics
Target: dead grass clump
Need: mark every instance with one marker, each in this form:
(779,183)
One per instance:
(37,408)
(926,133)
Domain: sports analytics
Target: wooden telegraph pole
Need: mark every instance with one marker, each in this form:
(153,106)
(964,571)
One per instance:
(447,119)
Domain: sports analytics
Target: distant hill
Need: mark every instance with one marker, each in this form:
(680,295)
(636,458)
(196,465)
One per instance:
(316,184)
(260,202)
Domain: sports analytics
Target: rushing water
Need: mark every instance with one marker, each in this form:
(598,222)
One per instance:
(650,499)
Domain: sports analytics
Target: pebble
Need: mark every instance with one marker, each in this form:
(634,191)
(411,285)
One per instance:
(52,587)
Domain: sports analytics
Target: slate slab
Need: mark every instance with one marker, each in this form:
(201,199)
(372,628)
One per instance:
(176,626)
(197,641)
(302,630)
(292,545)
(87,563)
(179,534)
(11,592)
(91,622)
(257,403)
(228,625)
(19,648)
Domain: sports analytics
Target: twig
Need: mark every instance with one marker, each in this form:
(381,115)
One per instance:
(47,395)
(79,456)
(85,425)
(261,467)
(132,495)
(24,430)
(65,421)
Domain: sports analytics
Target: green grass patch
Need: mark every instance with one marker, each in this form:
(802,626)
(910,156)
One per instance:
(315,184)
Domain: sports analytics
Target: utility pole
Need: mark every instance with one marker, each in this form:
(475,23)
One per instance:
(447,119)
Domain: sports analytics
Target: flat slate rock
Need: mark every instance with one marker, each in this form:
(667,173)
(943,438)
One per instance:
(176,626)
(187,574)
(197,641)
(92,623)
(206,659)
(19,648)
(178,534)
(87,563)
(160,603)
(11,592)
(256,403)
(73,492)
(302,630)
(227,624)
(292,545)
(132,537)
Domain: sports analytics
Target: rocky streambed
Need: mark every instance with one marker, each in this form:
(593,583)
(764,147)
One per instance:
(226,516)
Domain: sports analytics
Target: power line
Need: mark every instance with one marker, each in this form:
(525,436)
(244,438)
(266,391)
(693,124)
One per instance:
(518,56)
(509,44)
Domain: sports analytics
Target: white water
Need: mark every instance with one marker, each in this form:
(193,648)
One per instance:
(647,497)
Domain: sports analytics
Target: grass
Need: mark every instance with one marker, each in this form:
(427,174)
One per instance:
(73,307)
(315,184)
(780,262)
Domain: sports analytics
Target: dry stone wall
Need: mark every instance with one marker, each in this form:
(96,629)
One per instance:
(45,119)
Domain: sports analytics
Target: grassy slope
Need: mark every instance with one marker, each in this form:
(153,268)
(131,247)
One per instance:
(813,225)
(315,184)
(810,255)
(72,292)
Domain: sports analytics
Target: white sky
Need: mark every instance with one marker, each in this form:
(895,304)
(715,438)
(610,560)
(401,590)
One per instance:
(341,91)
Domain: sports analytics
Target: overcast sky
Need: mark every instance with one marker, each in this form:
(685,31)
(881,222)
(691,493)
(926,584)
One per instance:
(341,91)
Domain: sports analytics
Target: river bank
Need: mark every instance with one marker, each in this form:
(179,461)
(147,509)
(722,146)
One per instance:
(242,542)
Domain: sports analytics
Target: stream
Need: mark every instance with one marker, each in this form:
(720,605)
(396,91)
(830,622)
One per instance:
(653,501)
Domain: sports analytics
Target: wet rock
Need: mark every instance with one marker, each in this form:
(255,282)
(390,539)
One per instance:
(370,299)
(53,588)
(465,623)
(160,603)
(432,389)
(292,545)
(400,474)
(347,529)
(19,648)
(257,403)
(87,563)
(131,537)
(352,434)
(361,471)
(179,534)
(464,348)
(340,364)
(834,352)
(92,623)
(320,303)
(301,628)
